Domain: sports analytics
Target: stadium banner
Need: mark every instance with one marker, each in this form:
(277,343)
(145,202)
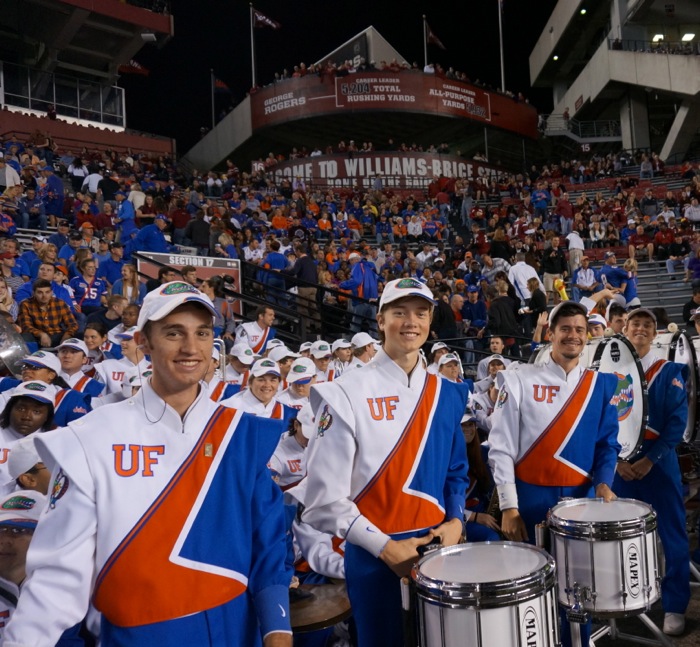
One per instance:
(406,91)
(397,170)
(206,268)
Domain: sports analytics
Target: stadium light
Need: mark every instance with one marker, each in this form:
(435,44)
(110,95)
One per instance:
(657,38)
(555,57)
(687,37)
(583,12)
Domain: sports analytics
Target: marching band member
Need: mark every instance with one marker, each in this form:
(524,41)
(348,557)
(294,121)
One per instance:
(387,469)
(136,505)
(301,376)
(653,475)
(240,360)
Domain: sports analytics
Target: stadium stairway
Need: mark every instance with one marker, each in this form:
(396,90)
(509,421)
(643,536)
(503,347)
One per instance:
(656,287)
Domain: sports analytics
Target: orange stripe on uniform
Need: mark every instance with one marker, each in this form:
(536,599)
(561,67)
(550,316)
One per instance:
(539,466)
(383,500)
(218,390)
(263,338)
(653,371)
(139,584)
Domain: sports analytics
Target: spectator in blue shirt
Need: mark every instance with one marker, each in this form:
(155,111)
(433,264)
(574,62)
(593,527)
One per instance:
(363,283)
(541,199)
(126,216)
(60,238)
(111,269)
(151,237)
(32,211)
(51,193)
(611,275)
(89,291)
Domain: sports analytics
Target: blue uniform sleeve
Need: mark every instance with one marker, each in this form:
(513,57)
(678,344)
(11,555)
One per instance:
(457,480)
(270,576)
(669,395)
(607,448)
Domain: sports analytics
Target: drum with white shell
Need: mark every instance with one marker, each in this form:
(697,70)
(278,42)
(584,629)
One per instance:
(485,594)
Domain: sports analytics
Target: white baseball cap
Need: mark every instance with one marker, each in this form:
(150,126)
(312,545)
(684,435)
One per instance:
(496,358)
(278,353)
(305,346)
(353,255)
(320,349)
(438,345)
(597,319)
(305,416)
(163,300)
(467,417)
(265,366)
(75,344)
(340,343)
(400,288)
(35,389)
(449,357)
(302,371)
(243,353)
(22,458)
(44,359)
(22,508)
(274,343)
(362,339)
(128,333)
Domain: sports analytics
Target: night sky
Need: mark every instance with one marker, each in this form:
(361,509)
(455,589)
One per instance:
(175,99)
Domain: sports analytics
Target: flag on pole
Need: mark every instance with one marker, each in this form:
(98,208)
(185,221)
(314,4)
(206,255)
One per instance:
(432,38)
(220,86)
(133,67)
(261,20)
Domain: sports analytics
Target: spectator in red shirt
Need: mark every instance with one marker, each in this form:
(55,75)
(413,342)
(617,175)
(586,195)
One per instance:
(663,239)
(640,243)
(179,218)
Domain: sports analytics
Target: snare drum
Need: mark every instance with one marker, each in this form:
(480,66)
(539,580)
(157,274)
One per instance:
(676,347)
(484,594)
(616,355)
(607,555)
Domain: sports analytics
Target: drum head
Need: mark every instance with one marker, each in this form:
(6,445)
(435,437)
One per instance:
(597,510)
(482,563)
(616,355)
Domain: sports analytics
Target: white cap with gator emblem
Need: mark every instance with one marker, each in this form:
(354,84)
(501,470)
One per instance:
(163,300)
(22,508)
(401,288)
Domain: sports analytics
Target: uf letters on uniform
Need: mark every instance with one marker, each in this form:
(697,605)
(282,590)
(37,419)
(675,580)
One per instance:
(141,455)
(4,453)
(382,408)
(294,465)
(544,393)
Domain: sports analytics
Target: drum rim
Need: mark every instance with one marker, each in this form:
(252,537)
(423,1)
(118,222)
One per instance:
(601,530)
(488,595)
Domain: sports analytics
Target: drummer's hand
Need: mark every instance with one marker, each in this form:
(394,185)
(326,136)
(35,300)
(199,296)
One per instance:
(400,555)
(278,639)
(624,469)
(489,521)
(602,491)
(642,467)
(513,526)
(450,532)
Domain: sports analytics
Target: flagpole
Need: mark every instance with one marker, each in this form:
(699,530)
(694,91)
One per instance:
(252,45)
(425,44)
(500,38)
(211,80)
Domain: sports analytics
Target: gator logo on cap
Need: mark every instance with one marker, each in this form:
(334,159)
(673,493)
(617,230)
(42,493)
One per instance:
(248,352)
(268,363)
(19,503)
(34,386)
(299,368)
(39,353)
(409,284)
(179,288)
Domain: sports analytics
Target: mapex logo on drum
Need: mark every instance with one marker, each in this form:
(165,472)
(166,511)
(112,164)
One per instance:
(632,570)
(531,629)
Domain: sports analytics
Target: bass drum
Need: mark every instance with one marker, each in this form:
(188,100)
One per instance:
(676,347)
(616,355)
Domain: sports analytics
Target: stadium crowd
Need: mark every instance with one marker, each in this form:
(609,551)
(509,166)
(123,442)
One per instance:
(494,256)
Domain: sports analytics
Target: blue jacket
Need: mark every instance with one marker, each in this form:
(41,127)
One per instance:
(151,239)
(362,281)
